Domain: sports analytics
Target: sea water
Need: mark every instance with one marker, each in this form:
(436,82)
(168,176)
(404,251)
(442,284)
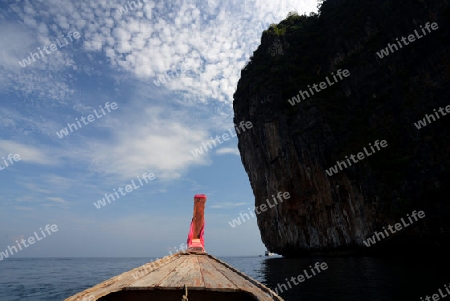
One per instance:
(346,278)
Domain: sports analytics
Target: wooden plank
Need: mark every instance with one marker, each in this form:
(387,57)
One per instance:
(188,274)
(236,279)
(149,267)
(121,281)
(200,271)
(157,276)
(241,282)
(212,277)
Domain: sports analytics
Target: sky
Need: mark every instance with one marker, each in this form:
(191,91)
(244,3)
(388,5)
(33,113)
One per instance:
(142,84)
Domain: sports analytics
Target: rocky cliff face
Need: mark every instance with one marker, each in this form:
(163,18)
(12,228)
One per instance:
(290,147)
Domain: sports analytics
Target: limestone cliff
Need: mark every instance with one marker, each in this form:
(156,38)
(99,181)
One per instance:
(290,147)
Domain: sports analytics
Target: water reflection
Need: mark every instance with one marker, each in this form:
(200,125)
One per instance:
(356,278)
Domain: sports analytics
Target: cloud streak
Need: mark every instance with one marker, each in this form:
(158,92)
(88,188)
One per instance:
(228,151)
(27,153)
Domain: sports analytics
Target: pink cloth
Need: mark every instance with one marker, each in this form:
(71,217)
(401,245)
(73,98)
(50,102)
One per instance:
(191,236)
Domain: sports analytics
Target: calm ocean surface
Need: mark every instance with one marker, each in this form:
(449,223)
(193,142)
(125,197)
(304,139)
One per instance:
(347,278)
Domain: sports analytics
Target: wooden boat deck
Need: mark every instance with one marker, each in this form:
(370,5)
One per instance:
(205,277)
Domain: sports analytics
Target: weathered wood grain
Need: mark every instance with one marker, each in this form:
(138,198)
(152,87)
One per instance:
(243,281)
(212,277)
(159,275)
(197,270)
(187,274)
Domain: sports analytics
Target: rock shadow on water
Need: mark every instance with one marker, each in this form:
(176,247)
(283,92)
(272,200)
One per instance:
(356,278)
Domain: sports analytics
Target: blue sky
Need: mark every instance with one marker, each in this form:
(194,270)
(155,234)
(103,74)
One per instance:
(201,46)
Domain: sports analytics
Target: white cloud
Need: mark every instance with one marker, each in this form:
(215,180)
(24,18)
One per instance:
(144,142)
(228,150)
(27,153)
(42,79)
(213,40)
(56,199)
